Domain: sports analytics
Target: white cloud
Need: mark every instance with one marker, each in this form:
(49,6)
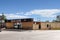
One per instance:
(14,16)
(50,13)
(44,12)
(20,13)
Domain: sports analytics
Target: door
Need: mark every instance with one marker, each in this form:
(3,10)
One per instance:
(49,26)
(39,26)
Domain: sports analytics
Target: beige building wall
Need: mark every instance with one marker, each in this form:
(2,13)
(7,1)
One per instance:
(43,25)
(35,26)
(53,25)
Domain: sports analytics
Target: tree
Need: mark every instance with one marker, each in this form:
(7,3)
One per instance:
(58,18)
(3,17)
(47,21)
(54,21)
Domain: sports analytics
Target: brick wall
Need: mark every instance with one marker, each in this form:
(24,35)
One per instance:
(27,25)
(9,25)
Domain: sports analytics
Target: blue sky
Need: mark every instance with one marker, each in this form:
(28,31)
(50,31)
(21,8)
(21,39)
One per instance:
(40,10)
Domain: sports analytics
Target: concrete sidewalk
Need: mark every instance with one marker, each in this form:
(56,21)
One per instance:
(31,35)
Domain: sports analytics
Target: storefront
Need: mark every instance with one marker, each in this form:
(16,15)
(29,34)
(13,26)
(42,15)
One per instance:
(26,23)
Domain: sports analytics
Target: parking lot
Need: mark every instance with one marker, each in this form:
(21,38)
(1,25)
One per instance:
(30,35)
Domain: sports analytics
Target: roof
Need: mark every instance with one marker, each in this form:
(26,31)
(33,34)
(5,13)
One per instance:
(22,20)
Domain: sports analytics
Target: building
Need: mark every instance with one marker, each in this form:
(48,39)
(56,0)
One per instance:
(2,22)
(46,25)
(26,23)
(29,24)
(50,25)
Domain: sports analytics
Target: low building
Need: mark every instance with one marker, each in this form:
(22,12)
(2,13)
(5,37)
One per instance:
(50,25)
(26,23)
(46,25)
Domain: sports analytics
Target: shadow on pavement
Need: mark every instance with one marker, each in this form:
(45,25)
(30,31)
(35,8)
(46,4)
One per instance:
(17,30)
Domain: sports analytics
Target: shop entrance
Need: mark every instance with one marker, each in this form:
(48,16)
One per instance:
(18,26)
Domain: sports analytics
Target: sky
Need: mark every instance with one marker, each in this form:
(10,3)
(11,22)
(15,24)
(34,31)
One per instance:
(39,10)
